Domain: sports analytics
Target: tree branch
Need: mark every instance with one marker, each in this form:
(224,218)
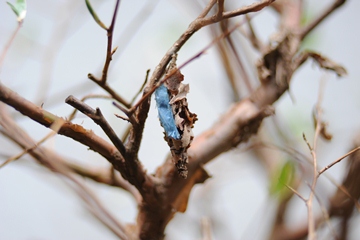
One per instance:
(236,126)
(23,140)
(306,30)
(55,163)
(99,119)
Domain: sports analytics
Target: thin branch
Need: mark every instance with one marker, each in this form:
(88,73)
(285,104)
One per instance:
(99,119)
(8,44)
(294,153)
(132,169)
(121,117)
(255,7)
(109,90)
(109,52)
(141,88)
(255,41)
(83,99)
(55,127)
(13,132)
(296,193)
(74,131)
(207,9)
(242,70)
(337,161)
(306,30)
(309,202)
(129,114)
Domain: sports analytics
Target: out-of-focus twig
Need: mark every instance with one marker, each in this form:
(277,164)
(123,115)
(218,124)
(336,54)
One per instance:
(307,29)
(337,161)
(8,44)
(55,127)
(206,228)
(309,201)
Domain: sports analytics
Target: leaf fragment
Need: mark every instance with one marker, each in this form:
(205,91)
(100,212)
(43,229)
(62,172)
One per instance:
(283,177)
(19,9)
(326,63)
(94,15)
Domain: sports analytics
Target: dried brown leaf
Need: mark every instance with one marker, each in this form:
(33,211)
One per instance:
(328,64)
(183,91)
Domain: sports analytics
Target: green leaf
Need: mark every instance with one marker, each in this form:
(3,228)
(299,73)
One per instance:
(94,15)
(19,9)
(284,176)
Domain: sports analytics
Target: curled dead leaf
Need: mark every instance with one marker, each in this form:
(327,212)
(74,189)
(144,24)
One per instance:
(326,63)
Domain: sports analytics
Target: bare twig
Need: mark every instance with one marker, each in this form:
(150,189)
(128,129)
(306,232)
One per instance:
(8,44)
(109,90)
(55,127)
(309,202)
(326,216)
(255,7)
(99,119)
(240,64)
(255,41)
(306,30)
(83,99)
(141,88)
(109,53)
(206,228)
(74,131)
(337,161)
(296,193)
(132,170)
(130,116)
(13,132)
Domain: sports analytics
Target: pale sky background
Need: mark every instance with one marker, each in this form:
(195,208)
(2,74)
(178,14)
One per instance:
(59,44)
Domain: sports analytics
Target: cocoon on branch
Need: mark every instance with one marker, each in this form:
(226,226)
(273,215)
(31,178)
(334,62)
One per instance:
(165,112)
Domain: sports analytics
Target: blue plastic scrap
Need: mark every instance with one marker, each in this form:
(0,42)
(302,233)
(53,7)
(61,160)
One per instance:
(165,112)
